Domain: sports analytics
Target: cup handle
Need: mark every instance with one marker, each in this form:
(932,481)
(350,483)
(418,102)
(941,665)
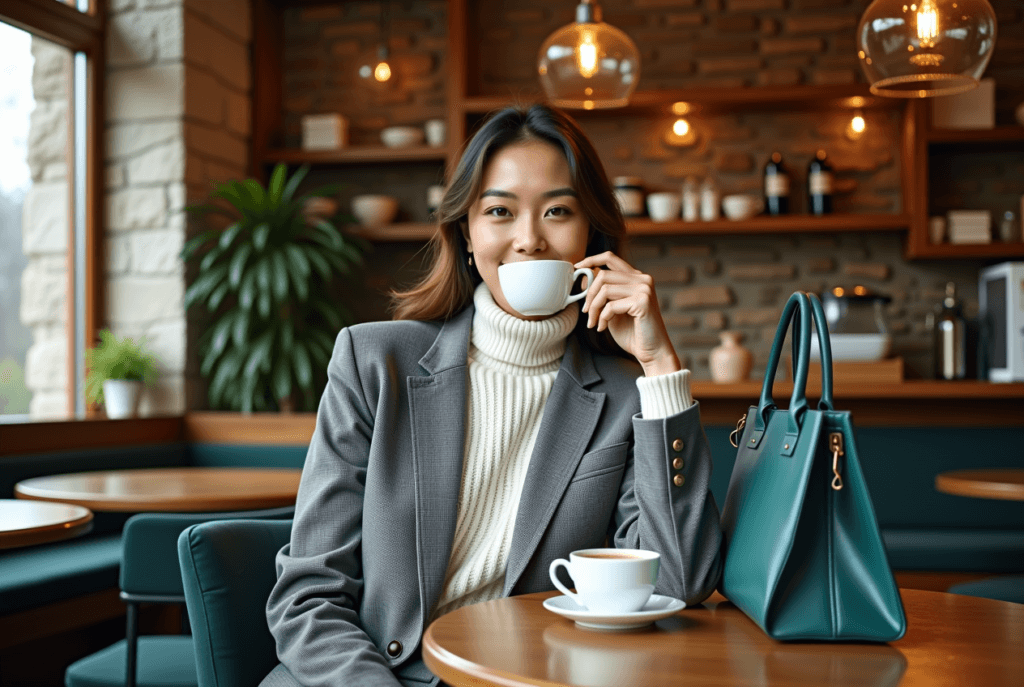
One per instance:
(590,280)
(554,578)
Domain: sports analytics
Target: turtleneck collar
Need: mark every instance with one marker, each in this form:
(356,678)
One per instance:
(516,346)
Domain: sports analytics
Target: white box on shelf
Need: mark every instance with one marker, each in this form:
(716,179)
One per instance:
(1001,305)
(324,132)
(975,109)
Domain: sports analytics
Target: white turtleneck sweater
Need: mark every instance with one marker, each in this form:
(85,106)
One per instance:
(512,367)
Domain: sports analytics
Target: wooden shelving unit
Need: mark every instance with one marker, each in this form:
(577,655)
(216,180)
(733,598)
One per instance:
(355,155)
(1000,134)
(792,224)
(401,231)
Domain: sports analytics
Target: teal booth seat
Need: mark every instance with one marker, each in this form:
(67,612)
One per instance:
(228,572)
(150,573)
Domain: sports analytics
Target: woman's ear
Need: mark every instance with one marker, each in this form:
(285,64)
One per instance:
(464,228)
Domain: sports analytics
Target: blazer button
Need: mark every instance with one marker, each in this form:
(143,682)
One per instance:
(678,480)
(394,649)
(677,463)
(677,445)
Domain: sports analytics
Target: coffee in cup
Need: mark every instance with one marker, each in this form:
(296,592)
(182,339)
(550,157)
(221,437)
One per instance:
(609,580)
(536,288)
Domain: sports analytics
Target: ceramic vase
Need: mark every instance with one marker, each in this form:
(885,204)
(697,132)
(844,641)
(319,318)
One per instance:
(730,361)
(121,398)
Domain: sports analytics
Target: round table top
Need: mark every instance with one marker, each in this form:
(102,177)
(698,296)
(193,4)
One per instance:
(183,490)
(24,523)
(951,640)
(995,483)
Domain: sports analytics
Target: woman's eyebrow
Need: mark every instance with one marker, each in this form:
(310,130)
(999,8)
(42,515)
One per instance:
(554,193)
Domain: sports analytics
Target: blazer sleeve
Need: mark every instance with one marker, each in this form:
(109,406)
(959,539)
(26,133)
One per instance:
(313,610)
(670,509)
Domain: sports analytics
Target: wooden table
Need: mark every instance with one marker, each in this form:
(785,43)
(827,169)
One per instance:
(182,490)
(24,523)
(995,483)
(951,640)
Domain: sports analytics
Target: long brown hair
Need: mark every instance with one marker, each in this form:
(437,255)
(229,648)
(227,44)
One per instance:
(448,286)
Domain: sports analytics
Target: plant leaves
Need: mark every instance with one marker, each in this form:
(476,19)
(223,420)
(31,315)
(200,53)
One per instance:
(293,183)
(193,244)
(287,336)
(256,192)
(247,291)
(280,276)
(281,378)
(229,235)
(238,264)
(240,328)
(302,366)
(263,304)
(259,236)
(318,261)
(226,371)
(277,182)
(217,296)
(259,355)
(202,286)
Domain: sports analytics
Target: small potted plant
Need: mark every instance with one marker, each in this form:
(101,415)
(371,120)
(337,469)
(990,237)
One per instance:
(118,369)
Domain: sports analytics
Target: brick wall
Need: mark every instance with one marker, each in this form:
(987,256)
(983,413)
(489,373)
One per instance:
(706,284)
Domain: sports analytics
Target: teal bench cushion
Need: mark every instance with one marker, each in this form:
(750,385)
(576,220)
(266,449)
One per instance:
(964,550)
(251,456)
(41,575)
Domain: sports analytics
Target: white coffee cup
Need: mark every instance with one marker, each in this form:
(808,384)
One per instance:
(609,580)
(436,130)
(540,287)
(663,206)
(742,206)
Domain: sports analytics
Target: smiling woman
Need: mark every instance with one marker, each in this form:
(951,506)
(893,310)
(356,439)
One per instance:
(461,448)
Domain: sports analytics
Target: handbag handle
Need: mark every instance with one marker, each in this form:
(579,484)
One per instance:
(798,311)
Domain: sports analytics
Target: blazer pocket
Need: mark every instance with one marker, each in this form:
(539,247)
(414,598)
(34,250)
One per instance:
(607,459)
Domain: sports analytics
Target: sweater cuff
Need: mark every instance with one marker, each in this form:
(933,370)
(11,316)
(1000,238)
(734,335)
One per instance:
(664,395)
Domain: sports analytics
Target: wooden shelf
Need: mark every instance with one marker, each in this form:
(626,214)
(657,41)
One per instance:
(355,155)
(772,225)
(716,99)
(1000,134)
(401,231)
(961,251)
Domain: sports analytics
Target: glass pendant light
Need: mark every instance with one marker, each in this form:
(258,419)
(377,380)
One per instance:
(588,64)
(374,69)
(925,48)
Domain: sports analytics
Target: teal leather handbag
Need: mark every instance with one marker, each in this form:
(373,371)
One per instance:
(803,555)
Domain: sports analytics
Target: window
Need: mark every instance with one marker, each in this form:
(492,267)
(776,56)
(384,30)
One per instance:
(49,211)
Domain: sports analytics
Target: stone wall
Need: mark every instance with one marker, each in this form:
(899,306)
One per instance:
(178,118)
(45,227)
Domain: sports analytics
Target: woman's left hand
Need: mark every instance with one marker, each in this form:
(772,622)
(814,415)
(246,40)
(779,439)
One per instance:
(623,301)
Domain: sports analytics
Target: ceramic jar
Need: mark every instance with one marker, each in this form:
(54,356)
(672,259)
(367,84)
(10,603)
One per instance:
(730,361)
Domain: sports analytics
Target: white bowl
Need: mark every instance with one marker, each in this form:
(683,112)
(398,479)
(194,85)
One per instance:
(741,206)
(401,136)
(854,346)
(374,210)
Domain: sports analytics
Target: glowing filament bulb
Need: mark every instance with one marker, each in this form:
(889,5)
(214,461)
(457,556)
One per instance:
(681,127)
(586,54)
(382,72)
(857,124)
(927,23)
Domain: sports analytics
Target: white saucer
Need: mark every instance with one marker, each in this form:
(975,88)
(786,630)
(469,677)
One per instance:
(656,608)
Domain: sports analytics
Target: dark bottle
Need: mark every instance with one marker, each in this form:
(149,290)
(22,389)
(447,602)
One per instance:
(950,332)
(819,185)
(776,186)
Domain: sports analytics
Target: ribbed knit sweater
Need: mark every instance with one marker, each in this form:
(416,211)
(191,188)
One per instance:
(512,367)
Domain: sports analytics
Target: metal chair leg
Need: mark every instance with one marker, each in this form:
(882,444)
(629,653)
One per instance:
(131,641)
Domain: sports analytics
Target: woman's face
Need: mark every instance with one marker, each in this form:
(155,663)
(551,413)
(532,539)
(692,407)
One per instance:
(527,210)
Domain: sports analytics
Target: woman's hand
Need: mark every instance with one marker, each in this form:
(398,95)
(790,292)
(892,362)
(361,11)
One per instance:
(622,300)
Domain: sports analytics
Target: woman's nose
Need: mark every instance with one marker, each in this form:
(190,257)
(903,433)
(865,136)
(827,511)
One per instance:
(529,237)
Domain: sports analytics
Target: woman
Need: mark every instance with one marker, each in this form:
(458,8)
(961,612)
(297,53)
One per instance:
(461,448)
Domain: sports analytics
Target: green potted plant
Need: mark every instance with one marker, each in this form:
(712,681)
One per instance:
(266,281)
(117,370)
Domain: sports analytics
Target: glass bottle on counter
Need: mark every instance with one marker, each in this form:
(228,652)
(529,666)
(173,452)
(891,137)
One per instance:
(819,184)
(691,200)
(708,201)
(776,186)
(950,338)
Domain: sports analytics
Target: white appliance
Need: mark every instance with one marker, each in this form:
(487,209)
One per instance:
(1001,303)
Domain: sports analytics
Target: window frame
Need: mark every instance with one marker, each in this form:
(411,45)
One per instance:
(85,32)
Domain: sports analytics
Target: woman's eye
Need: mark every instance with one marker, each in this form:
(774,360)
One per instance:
(559,211)
(497,211)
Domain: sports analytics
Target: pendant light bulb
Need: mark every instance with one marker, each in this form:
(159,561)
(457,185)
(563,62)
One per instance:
(924,49)
(588,64)
(382,72)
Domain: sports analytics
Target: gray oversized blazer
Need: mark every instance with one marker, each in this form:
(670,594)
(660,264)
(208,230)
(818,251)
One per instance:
(378,500)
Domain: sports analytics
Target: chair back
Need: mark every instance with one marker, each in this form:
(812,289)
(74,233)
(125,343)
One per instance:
(228,572)
(149,549)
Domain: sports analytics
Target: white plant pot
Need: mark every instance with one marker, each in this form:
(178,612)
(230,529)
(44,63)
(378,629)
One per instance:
(121,398)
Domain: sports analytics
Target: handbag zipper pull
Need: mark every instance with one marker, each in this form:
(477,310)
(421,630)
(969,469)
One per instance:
(835,443)
(734,435)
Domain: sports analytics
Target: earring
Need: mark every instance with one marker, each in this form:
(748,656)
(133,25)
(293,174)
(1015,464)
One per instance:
(470,261)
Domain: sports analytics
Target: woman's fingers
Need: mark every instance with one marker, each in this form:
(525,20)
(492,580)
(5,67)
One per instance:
(609,260)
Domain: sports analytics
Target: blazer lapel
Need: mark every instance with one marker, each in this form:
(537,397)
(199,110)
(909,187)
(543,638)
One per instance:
(570,417)
(437,407)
